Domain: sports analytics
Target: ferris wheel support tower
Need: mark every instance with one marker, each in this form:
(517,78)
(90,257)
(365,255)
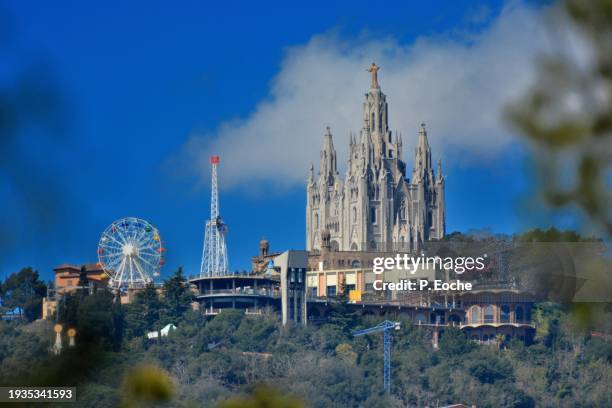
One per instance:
(214,254)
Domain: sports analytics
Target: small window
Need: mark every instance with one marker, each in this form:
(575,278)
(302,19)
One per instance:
(331,291)
(519,314)
(475,314)
(505,314)
(489,316)
(373,215)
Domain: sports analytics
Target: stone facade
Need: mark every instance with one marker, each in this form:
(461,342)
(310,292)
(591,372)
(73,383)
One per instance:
(375,207)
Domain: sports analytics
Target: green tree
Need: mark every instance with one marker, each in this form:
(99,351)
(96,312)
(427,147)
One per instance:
(453,343)
(24,289)
(488,368)
(99,319)
(144,313)
(177,297)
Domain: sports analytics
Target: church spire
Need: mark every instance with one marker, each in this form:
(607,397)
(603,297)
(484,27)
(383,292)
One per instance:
(422,160)
(328,166)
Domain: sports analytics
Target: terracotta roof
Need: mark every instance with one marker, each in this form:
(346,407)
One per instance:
(91,267)
(65,266)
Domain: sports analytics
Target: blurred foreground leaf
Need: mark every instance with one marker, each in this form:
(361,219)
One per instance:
(263,397)
(146,386)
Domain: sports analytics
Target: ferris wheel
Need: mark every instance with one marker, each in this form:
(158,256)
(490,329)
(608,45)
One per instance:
(130,251)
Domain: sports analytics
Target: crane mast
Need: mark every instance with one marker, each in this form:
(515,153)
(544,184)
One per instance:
(386,328)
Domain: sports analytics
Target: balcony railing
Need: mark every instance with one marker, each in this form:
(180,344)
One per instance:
(242,291)
(249,311)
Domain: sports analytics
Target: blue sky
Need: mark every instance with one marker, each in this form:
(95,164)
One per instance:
(147,91)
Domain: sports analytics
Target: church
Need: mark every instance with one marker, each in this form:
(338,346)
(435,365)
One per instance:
(375,207)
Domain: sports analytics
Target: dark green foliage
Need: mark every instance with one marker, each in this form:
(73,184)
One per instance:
(453,343)
(100,319)
(177,297)
(24,289)
(97,318)
(211,360)
(598,349)
(489,369)
(551,235)
(144,313)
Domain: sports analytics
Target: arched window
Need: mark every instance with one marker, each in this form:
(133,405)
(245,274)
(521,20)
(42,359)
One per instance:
(354,214)
(489,316)
(316,221)
(519,314)
(373,122)
(373,215)
(334,246)
(475,315)
(504,315)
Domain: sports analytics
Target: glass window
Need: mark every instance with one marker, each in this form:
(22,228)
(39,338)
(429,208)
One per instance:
(505,314)
(489,316)
(331,291)
(519,314)
(475,314)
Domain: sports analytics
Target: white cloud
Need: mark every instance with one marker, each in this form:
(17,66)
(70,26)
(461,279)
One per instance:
(458,86)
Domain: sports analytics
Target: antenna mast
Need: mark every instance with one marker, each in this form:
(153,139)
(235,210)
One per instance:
(214,254)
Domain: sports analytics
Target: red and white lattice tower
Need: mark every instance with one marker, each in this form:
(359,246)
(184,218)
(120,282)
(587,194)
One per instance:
(214,255)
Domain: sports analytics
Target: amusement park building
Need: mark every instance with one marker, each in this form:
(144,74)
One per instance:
(281,286)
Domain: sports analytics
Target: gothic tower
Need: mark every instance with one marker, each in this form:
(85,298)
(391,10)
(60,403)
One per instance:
(375,207)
